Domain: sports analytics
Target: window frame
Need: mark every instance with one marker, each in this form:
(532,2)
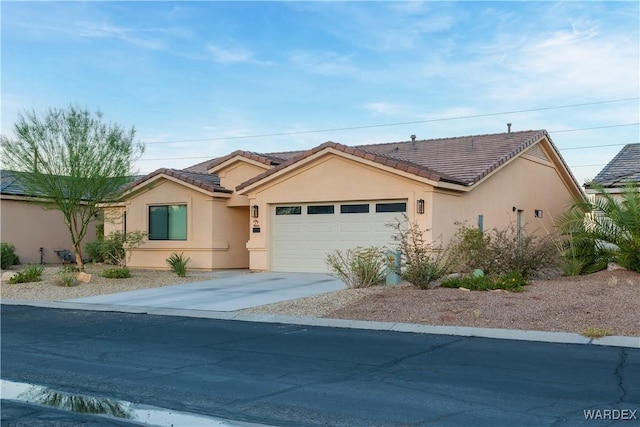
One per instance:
(166,236)
(393,207)
(346,208)
(330,208)
(289,210)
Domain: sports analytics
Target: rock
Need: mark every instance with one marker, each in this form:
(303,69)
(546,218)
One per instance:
(612,266)
(6,275)
(465,289)
(84,277)
(478,273)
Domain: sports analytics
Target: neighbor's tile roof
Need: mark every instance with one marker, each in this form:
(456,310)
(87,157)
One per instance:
(205,181)
(461,160)
(624,167)
(10,184)
(269,159)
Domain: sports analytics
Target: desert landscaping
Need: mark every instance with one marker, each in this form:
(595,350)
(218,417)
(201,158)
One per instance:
(606,302)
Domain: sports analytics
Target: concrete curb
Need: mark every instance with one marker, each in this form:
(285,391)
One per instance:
(507,334)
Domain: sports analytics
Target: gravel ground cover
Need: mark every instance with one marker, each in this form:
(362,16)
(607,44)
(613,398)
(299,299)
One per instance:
(608,300)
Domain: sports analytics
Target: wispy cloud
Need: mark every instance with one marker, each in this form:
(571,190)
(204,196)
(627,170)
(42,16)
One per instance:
(233,55)
(386,108)
(229,56)
(324,62)
(142,37)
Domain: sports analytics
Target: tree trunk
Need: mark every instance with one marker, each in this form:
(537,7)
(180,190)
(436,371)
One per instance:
(79,261)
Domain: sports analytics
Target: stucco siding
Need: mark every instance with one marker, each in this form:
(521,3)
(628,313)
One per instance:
(214,240)
(329,179)
(29,227)
(525,184)
(235,174)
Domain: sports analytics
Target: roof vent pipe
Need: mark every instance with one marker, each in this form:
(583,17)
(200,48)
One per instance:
(508,127)
(413,138)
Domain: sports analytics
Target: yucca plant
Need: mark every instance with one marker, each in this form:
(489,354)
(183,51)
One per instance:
(606,228)
(178,264)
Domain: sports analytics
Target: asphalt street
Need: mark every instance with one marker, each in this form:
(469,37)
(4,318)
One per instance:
(292,375)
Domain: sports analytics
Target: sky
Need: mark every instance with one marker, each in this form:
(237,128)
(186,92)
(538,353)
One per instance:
(199,80)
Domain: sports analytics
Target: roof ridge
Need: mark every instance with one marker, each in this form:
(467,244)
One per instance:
(450,138)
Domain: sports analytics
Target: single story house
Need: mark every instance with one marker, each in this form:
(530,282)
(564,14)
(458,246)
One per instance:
(37,233)
(286,211)
(623,168)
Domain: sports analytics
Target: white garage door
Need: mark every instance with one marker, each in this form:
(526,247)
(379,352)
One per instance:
(303,234)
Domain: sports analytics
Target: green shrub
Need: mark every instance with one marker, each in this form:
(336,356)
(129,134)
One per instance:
(509,282)
(422,262)
(178,264)
(95,250)
(31,273)
(359,267)
(8,255)
(116,273)
(502,252)
(113,249)
(66,277)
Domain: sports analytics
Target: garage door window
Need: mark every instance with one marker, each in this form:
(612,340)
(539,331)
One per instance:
(168,222)
(348,209)
(288,210)
(391,207)
(320,210)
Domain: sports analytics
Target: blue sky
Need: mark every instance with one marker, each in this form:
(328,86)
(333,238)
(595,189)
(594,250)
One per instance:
(201,79)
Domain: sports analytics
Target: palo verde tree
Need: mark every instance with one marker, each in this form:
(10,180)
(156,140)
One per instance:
(73,161)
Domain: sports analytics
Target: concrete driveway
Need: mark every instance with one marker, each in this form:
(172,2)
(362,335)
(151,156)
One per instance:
(230,291)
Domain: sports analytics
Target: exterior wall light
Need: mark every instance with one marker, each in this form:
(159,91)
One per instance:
(420,206)
(255,211)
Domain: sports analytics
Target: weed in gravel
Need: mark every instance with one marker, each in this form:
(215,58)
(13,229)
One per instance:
(592,332)
(66,278)
(510,282)
(116,273)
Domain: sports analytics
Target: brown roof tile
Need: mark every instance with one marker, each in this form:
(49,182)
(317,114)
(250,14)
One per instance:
(461,160)
(270,159)
(207,182)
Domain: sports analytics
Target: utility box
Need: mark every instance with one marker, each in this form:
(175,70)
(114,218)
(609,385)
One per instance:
(393,268)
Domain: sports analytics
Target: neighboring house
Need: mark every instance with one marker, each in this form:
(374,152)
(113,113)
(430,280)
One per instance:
(623,168)
(35,232)
(286,211)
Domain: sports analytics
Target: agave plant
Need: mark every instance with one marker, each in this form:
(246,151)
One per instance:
(605,228)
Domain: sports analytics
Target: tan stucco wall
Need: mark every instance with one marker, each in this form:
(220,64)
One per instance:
(525,184)
(29,227)
(235,174)
(328,179)
(216,234)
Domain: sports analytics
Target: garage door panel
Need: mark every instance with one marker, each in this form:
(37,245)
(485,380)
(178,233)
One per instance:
(321,228)
(302,242)
(362,227)
(326,245)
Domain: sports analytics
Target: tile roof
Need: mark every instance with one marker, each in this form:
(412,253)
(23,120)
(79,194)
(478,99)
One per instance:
(205,181)
(624,167)
(10,184)
(461,160)
(269,159)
